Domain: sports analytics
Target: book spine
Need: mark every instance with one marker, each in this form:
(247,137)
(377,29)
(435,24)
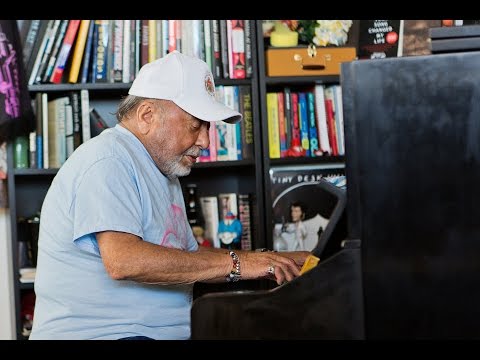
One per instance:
(312,126)
(39,130)
(322,119)
(296,135)
(281,125)
(207,40)
(302,106)
(337,92)
(216,53)
(100,64)
(159,38)
(230,49)
(224,49)
(247,123)
(244,216)
(79,51)
(29,41)
(69,134)
(330,111)
(118,49)
(273,126)
(46,138)
(32,150)
(76,116)
(128,50)
(212,132)
(152,40)
(172,30)
(55,51)
(86,64)
(209,207)
(85,111)
(40,51)
(288,116)
(54,33)
(145,41)
(68,41)
(238,49)
(248,49)
(165,35)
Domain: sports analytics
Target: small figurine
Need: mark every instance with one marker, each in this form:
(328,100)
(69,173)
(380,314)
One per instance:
(230,231)
(198,232)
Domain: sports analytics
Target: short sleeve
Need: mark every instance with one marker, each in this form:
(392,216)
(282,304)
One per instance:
(107,198)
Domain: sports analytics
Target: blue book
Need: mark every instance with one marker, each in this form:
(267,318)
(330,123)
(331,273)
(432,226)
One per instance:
(312,126)
(302,113)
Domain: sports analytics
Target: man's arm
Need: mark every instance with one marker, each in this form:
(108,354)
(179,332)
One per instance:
(128,257)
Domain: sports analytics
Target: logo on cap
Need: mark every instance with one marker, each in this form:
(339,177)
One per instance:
(209,86)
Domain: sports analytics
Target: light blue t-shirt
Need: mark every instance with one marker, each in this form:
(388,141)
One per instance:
(109,183)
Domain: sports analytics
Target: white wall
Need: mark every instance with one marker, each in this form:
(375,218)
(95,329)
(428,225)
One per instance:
(7,300)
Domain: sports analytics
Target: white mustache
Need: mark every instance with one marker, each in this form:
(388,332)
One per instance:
(193,152)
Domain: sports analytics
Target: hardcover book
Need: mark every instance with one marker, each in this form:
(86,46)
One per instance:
(301,211)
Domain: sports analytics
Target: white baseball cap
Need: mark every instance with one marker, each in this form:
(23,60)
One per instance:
(188,82)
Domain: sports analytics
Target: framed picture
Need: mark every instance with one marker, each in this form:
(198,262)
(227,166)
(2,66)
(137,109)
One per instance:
(302,209)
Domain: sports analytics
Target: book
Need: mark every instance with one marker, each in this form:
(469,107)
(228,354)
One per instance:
(55,51)
(87,56)
(301,210)
(97,123)
(79,51)
(65,51)
(209,208)
(379,39)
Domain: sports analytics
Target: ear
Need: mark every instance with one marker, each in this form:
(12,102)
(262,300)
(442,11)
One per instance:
(145,116)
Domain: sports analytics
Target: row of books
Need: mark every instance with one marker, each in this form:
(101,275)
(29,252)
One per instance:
(231,142)
(306,123)
(93,51)
(62,125)
(217,209)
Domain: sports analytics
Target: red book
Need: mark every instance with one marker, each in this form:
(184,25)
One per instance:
(67,45)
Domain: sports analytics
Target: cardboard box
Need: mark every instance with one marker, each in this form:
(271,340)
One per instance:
(307,61)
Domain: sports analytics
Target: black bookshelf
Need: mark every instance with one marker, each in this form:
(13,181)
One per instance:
(28,187)
(275,83)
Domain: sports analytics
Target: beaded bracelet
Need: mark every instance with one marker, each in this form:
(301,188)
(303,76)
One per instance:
(235,273)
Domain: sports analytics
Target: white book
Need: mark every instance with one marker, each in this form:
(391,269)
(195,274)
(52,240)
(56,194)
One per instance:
(126,51)
(231,134)
(70,147)
(322,119)
(207,41)
(337,91)
(85,106)
(209,206)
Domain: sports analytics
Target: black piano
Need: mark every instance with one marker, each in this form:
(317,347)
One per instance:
(401,257)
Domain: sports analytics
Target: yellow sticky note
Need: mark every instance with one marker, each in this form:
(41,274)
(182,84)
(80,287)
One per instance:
(309,263)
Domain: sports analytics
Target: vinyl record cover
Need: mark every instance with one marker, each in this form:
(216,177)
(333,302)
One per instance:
(300,209)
